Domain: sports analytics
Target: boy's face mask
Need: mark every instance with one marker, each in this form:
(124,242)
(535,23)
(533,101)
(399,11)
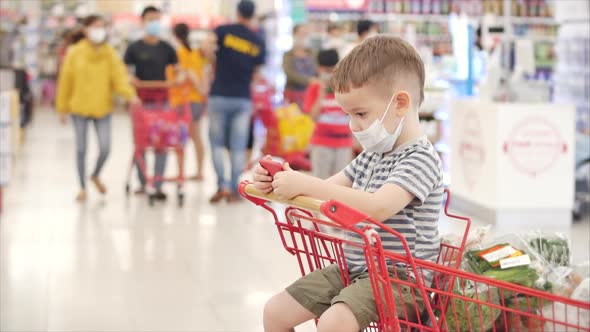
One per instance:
(376,138)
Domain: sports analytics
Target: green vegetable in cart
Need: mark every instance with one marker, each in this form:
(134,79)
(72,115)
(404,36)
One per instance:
(469,315)
(554,248)
(521,275)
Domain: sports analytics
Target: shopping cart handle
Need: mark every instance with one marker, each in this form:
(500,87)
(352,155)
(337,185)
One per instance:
(250,192)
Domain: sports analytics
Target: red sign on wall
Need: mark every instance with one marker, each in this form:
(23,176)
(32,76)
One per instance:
(337,5)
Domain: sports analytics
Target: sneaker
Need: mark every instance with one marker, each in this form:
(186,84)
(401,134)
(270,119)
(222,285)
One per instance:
(219,195)
(99,185)
(160,196)
(140,191)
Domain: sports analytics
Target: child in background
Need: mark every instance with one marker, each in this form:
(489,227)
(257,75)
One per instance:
(331,142)
(397,179)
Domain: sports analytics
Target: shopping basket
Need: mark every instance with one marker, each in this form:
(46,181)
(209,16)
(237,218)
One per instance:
(454,300)
(159,128)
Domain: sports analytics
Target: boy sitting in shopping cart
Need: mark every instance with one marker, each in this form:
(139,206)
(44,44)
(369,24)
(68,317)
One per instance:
(397,179)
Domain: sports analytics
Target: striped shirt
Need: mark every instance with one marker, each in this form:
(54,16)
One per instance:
(416,167)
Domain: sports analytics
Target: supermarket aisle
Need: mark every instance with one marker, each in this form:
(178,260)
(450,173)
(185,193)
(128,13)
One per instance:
(115,264)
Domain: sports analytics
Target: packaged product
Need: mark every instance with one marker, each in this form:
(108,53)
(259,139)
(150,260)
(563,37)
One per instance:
(553,247)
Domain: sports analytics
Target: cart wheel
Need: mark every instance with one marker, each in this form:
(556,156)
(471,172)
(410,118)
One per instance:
(127,189)
(180,199)
(151,199)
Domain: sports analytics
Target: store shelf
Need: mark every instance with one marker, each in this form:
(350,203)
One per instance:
(532,20)
(537,38)
(335,16)
(408,17)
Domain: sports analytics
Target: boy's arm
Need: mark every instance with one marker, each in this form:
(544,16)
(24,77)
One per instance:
(381,205)
(413,178)
(340,179)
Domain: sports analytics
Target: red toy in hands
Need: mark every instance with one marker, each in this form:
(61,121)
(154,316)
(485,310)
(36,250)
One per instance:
(273,167)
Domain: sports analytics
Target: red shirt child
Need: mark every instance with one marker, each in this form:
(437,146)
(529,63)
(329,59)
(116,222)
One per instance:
(332,140)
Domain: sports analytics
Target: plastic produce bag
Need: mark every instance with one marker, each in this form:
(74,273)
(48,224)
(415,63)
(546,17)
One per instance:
(553,247)
(561,312)
(475,237)
(464,315)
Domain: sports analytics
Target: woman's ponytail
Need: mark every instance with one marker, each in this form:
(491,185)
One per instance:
(181,31)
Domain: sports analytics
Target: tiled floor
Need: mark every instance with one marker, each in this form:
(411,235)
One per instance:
(116,264)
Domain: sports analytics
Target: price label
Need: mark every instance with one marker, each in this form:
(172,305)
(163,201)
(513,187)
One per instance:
(507,263)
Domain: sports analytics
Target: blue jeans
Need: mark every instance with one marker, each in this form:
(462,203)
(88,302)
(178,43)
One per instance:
(103,131)
(229,122)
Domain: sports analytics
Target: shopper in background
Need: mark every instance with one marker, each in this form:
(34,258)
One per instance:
(92,72)
(364,29)
(335,39)
(240,53)
(193,90)
(299,66)
(331,142)
(148,58)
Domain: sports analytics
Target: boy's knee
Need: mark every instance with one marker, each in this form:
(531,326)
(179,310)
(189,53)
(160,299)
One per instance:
(339,318)
(272,312)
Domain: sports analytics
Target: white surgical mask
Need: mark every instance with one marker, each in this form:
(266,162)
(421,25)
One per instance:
(97,35)
(376,138)
(372,34)
(325,76)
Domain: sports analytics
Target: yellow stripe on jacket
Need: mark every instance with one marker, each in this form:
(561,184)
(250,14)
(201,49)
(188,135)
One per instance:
(89,77)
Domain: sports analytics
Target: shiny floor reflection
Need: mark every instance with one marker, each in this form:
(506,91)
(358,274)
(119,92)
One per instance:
(116,264)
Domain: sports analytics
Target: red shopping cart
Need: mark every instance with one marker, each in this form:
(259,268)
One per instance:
(158,128)
(454,300)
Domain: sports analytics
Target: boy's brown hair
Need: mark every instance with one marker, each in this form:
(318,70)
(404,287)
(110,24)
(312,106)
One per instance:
(381,59)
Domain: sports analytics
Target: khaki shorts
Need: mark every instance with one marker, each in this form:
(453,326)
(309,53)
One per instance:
(323,288)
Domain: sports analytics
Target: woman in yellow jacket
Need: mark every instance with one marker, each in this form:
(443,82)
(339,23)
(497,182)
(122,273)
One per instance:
(193,91)
(92,72)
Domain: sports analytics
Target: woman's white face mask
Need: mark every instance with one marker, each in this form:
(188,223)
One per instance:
(97,35)
(376,138)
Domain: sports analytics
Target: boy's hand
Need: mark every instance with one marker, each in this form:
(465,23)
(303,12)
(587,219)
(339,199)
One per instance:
(288,184)
(262,179)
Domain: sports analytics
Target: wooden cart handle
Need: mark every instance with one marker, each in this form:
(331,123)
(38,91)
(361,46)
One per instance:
(300,202)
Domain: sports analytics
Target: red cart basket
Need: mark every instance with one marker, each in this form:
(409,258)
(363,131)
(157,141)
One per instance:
(454,300)
(159,128)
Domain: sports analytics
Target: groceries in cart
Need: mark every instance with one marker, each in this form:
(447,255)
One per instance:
(164,133)
(288,130)
(535,261)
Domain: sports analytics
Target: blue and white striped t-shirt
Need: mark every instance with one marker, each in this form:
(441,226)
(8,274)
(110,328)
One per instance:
(416,167)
